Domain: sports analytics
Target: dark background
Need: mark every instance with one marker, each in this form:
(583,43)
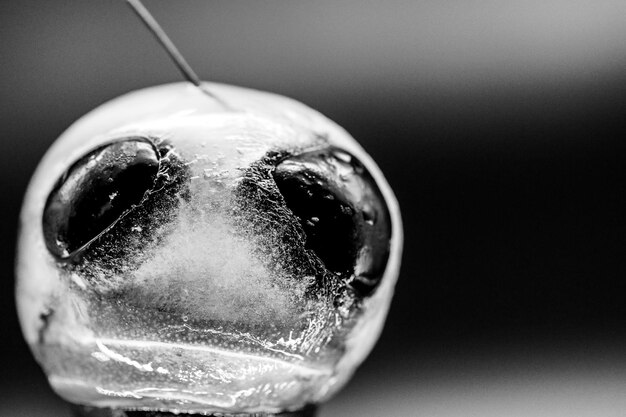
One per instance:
(498,123)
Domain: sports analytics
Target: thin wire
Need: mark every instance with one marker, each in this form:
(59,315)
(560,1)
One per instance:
(158,32)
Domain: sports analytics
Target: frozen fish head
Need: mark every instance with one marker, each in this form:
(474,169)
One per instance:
(177,254)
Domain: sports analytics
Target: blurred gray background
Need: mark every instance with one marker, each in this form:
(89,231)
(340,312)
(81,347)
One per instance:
(499,124)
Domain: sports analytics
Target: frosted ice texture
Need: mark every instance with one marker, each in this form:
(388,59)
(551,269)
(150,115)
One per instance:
(177,255)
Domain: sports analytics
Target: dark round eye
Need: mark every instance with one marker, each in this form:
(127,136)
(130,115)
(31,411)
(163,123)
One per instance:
(95,192)
(342,212)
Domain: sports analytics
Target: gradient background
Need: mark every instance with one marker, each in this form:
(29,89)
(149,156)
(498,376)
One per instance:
(499,124)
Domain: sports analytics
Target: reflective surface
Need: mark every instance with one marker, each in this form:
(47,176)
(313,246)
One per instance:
(179,256)
(96,192)
(78,411)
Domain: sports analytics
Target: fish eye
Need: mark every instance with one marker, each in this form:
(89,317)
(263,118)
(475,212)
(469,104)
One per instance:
(342,211)
(95,192)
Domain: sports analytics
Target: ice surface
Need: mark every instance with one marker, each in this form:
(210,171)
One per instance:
(181,257)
